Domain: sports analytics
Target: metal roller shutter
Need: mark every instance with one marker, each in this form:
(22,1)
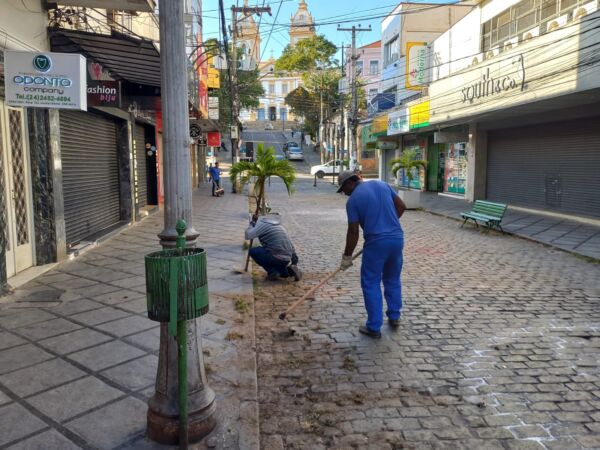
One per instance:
(141,180)
(90,174)
(552,166)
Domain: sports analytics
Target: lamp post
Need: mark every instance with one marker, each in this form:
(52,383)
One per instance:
(163,407)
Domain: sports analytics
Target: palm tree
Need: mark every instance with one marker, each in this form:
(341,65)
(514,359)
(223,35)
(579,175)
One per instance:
(408,162)
(264,166)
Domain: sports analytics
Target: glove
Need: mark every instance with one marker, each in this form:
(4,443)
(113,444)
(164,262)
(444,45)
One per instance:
(346,262)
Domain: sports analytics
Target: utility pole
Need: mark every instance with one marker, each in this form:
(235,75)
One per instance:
(163,407)
(353,78)
(235,110)
(340,146)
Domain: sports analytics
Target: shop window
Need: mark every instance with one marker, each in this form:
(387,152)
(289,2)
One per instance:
(359,67)
(368,154)
(374,67)
(549,9)
(391,51)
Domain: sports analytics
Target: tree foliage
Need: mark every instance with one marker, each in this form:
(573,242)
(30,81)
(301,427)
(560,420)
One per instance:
(408,162)
(264,166)
(249,87)
(307,55)
(305,101)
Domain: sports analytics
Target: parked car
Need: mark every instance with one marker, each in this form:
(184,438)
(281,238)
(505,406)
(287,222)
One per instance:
(289,143)
(295,153)
(326,169)
(279,157)
(269,126)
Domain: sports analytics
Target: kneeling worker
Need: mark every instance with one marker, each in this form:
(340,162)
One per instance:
(276,254)
(376,207)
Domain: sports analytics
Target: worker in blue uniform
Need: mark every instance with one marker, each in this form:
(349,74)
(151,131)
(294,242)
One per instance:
(376,208)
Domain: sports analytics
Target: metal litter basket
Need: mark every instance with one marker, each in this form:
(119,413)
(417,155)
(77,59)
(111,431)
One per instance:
(181,272)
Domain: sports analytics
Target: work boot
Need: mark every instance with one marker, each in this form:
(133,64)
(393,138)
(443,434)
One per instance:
(295,272)
(374,334)
(273,276)
(394,323)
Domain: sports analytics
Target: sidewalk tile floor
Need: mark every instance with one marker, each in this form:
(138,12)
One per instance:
(78,355)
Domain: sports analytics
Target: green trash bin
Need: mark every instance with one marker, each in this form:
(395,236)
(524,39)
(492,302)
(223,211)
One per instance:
(176,284)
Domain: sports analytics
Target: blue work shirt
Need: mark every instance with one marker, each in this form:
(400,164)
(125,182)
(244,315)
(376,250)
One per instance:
(372,205)
(215,173)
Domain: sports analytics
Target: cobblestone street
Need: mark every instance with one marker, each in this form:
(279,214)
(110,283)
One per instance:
(498,346)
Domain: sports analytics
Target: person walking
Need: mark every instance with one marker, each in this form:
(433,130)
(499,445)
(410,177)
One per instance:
(215,176)
(276,254)
(376,208)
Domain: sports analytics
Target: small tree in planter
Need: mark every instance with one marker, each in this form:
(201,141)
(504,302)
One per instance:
(408,162)
(264,166)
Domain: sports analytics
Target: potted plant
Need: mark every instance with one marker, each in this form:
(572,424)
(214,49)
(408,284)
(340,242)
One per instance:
(264,166)
(408,162)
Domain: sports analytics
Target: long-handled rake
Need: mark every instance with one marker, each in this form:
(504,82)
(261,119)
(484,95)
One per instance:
(302,299)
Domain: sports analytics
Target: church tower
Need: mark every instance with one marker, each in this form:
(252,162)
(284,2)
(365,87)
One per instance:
(303,25)
(249,36)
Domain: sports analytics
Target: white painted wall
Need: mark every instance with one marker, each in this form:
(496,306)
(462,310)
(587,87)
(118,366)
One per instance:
(455,49)
(425,26)
(21,29)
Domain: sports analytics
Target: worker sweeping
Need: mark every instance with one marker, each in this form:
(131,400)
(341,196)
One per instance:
(376,208)
(276,254)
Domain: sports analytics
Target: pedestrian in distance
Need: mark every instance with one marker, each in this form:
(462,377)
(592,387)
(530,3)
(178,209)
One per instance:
(276,253)
(215,176)
(208,177)
(376,208)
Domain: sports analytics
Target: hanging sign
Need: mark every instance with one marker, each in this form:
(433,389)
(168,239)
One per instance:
(45,80)
(104,93)
(214,139)
(398,122)
(416,65)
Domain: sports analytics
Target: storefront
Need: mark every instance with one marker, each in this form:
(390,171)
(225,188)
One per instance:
(553,166)
(418,145)
(531,133)
(90,168)
(447,161)
(368,158)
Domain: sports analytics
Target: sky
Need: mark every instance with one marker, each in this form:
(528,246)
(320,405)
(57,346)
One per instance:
(347,12)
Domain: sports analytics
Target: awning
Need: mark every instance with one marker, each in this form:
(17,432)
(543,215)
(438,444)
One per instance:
(205,125)
(126,58)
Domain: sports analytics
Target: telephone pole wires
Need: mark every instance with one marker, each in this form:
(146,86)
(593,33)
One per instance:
(353,82)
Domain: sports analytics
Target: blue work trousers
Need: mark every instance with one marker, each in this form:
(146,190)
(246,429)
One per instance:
(382,260)
(268,262)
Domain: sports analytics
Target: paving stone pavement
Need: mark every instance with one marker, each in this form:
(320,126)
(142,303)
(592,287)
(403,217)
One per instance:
(78,355)
(498,348)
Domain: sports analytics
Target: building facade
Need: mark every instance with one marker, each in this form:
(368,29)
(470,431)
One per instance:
(510,112)
(302,24)
(277,86)
(76,168)
(406,35)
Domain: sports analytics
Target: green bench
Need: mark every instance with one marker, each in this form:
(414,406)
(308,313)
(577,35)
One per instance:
(488,213)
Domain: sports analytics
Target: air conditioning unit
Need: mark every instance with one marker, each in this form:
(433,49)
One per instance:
(492,52)
(585,10)
(476,60)
(510,43)
(530,34)
(555,24)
